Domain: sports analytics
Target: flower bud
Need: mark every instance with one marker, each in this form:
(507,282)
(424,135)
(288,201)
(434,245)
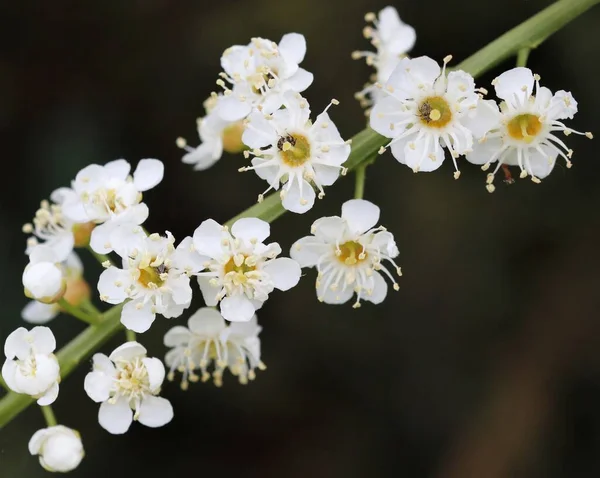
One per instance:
(44,282)
(59,448)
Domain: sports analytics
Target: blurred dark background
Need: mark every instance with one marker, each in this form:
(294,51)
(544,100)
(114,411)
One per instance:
(486,364)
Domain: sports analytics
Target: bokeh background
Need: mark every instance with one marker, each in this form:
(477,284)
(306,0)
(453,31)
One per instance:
(486,363)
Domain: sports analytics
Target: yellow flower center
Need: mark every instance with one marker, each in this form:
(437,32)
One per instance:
(243,268)
(351,253)
(435,112)
(524,127)
(294,149)
(232,138)
(150,277)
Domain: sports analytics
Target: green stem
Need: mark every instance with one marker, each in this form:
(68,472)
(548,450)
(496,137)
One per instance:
(69,357)
(49,416)
(522,56)
(130,335)
(359,185)
(88,306)
(77,312)
(528,34)
(101,258)
(3,384)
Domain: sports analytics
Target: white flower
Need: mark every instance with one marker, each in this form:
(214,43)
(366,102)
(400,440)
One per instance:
(242,270)
(128,380)
(423,112)
(347,252)
(393,39)
(43,278)
(108,193)
(59,448)
(30,367)
(206,339)
(291,150)
(523,131)
(77,289)
(216,135)
(153,280)
(260,73)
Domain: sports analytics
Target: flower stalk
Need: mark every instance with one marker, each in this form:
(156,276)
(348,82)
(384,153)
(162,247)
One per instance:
(49,416)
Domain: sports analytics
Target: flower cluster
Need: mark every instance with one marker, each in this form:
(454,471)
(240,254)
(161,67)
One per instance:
(262,113)
(425,112)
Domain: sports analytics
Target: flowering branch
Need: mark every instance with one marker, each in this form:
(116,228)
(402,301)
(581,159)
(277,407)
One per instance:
(265,117)
(529,34)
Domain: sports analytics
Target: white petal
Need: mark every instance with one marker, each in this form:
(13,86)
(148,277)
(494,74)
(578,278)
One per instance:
(118,169)
(360,215)
(117,418)
(517,82)
(244,329)
(293,47)
(207,238)
(155,412)
(483,118)
(205,155)
(156,373)
(176,336)
(206,321)
(307,251)
(384,114)
(185,257)
(232,109)
(541,165)
(299,201)
(380,288)
(138,320)
(49,396)
(102,363)
(74,210)
(562,104)
(112,285)
(460,88)
(260,131)
(483,152)
(43,340)
(181,292)
(98,385)
(128,351)
(251,230)
(329,229)
(37,313)
(423,155)
(284,272)
(299,81)
(339,296)
(9,369)
(209,292)
(237,308)
(149,173)
(37,440)
(17,344)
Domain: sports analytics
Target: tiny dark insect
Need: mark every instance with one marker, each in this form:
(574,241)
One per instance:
(161,269)
(425,111)
(289,138)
